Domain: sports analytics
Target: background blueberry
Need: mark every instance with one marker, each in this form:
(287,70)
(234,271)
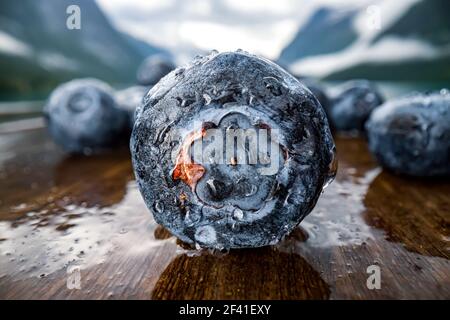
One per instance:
(129,99)
(230,205)
(153,69)
(352,104)
(82,116)
(411,135)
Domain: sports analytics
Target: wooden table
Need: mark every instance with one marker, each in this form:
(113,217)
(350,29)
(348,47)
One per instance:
(64,219)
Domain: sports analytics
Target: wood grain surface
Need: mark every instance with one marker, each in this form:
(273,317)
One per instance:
(60,214)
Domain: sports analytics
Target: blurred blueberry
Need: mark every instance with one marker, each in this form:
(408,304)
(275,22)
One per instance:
(153,69)
(129,99)
(82,116)
(411,135)
(352,104)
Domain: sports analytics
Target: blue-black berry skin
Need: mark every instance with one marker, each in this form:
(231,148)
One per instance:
(232,206)
(82,117)
(352,103)
(319,92)
(411,135)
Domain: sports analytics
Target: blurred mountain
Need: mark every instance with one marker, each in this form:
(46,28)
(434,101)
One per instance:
(427,20)
(38,51)
(413,46)
(326,31)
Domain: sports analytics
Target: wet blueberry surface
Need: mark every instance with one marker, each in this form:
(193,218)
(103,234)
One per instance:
(320,93)
(60,213)
(282,151)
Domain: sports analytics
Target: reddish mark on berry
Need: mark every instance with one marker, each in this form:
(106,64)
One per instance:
(185,169)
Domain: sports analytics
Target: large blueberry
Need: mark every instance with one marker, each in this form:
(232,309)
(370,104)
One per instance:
(319,92)
(153,69)
(129,99)
(411,135)
(82,116)
(231,151)
(352,104)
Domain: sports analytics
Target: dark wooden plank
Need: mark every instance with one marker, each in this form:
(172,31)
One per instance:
(59,212)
